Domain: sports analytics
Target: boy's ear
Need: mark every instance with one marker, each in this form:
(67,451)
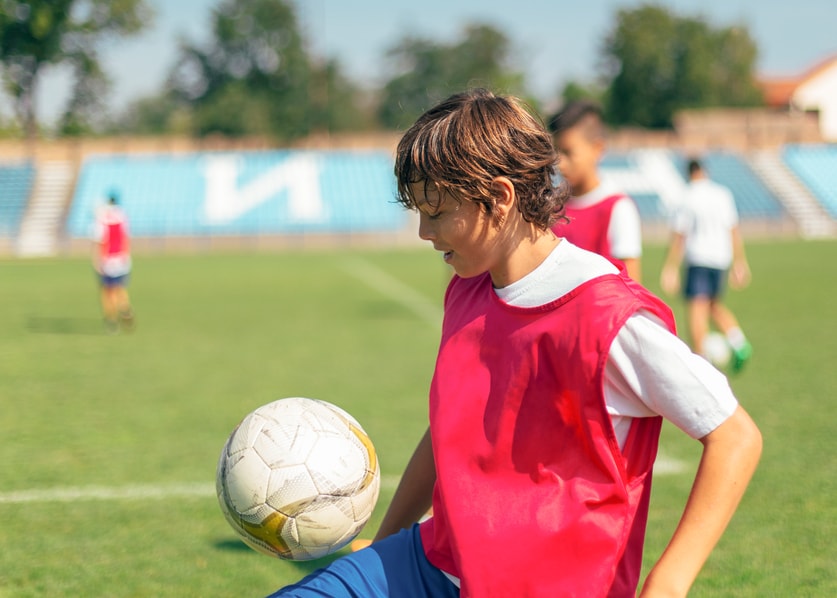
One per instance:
(598,145)
(504,195)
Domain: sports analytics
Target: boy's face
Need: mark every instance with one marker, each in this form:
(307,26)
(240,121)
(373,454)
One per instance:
(578,158)
(462,230)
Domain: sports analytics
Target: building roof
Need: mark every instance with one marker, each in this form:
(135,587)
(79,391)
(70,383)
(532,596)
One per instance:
(778,91)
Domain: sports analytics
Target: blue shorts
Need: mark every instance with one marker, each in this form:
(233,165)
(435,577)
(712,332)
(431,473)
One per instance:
(704,282)
(395,566)
(114,281)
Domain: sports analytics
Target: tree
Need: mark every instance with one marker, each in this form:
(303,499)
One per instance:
(336,103)
(87,98)
(659,62)
(254,75)
(37,33)
(159,114)
(426,72)
(574,91)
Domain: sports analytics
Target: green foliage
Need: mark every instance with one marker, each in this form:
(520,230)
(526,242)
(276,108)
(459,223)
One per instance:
(36,33)
(574,91)
(659,62)
(426,72)
(87,98)
(219,335)
(160,114)
(253,76)
(336,103)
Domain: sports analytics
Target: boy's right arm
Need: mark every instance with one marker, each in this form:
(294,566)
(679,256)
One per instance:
(414,494)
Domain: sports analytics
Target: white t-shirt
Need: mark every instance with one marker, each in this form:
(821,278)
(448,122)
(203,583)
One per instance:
(625,230)
(649,370)
(706,218)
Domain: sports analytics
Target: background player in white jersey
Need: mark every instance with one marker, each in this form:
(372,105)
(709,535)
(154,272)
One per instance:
(706,236)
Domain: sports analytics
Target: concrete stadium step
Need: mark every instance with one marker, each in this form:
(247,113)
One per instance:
(41,222)
(810,217)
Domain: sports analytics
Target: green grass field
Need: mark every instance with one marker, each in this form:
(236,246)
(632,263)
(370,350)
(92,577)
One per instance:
(108,444)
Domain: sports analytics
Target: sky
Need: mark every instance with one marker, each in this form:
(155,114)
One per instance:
(553,41)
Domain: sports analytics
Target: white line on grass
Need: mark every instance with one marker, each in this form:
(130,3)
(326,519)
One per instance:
(74,493)
(668,466)
(393,288)
(140,492)
(663,466)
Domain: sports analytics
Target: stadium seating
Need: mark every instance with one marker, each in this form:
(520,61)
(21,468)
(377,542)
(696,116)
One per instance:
(243,193)
(625,174)
(15,185)
(816,167)
(752,198)
(340,191)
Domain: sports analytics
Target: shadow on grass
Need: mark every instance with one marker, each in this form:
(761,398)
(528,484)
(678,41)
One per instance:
(232,545)
(64,325)
(304,567)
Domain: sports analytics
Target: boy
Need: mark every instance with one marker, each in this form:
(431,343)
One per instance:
(601,219)
(706,234)
(112,262)
(552,373)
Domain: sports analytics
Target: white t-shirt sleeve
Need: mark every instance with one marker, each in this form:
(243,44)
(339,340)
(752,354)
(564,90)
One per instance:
(625,230)
(732,211)
(97,232)
(652,372)
(681,219)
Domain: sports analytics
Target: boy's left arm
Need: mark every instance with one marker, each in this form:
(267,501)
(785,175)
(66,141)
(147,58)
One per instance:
(730,455)
(739,273)
(670,275)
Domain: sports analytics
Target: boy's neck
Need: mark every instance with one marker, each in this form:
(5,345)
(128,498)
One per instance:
(586,186)
(524,257)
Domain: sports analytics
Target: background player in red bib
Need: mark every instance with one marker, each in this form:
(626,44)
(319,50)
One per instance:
(112,262)
(601,218)
(553,376)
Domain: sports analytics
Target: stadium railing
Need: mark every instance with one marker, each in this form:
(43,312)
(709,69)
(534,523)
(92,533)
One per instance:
(816,167)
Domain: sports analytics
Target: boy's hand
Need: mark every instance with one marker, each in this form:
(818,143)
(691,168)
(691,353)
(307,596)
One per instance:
(739,275)
(670,280)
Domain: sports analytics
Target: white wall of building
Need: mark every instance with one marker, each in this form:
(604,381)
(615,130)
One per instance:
(820,93)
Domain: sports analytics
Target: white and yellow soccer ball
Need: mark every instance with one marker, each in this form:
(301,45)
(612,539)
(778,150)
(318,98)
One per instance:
(717,350)
(298,478)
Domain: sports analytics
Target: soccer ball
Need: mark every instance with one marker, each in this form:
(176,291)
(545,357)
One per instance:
(716,350)
(298,478)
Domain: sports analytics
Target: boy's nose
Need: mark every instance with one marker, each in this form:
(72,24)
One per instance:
(425,231)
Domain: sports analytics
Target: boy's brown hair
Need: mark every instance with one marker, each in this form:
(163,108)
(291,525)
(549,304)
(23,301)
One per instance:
(462,144)
(585,113)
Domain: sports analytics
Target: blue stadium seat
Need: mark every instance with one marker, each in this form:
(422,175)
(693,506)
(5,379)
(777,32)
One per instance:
(646,198)
(816,167)
(15,185)
(752,198)
(242,193)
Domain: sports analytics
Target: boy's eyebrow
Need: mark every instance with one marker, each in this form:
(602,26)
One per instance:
(423,205)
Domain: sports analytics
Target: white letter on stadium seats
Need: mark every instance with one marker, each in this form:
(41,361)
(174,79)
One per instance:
(299,174)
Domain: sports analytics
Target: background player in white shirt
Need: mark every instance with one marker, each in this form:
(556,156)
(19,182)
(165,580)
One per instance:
(706,237)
